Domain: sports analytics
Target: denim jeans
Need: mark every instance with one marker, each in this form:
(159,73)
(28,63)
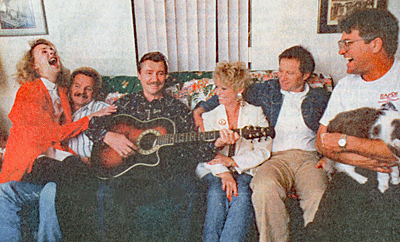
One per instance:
(15,195)
(228,221)
(49,229)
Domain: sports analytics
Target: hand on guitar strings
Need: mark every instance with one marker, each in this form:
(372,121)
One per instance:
(227,137)
(224,160)
(229,184)
(122,145)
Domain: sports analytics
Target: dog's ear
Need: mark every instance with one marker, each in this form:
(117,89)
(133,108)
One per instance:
(376,131)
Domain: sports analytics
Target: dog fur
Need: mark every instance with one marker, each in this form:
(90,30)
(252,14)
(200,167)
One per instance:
(368,123)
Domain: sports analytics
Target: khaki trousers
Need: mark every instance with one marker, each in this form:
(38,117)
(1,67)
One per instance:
(284,171)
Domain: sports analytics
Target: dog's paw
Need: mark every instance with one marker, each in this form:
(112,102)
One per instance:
(383,181)
(395,181)
(359,178)
(383,187)
(394,175)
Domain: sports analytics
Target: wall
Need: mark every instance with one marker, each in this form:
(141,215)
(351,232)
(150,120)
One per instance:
(86,33)
(278,25)
(100,34)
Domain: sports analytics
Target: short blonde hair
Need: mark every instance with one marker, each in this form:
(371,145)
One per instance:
(232,74)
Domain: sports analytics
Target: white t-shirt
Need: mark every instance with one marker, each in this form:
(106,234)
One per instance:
(353,92)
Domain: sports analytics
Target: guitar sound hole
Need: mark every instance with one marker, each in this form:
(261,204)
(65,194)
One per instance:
(147,141)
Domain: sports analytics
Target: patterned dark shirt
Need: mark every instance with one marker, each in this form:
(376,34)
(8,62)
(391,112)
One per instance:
(172,157)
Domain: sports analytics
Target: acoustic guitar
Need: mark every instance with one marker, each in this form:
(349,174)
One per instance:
(149,137)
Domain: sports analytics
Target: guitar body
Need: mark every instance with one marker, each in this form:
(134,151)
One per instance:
(149,137)
(142,133)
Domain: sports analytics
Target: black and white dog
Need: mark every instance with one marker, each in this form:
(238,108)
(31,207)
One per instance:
(373,124)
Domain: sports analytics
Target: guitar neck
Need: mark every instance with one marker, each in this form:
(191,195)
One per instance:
(169,139)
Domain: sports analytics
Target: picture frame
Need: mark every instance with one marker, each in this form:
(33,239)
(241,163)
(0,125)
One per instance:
(330,11)
(22,17)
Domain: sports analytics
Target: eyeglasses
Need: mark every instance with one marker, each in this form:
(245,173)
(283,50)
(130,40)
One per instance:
(345,43)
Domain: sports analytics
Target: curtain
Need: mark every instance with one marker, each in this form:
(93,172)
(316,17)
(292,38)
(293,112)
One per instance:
(193,34)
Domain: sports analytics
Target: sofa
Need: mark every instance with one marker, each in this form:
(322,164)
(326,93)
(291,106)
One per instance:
(193,87)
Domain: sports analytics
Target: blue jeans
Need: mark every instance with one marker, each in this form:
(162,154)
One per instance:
(15,195)
(49,229)
(228,221)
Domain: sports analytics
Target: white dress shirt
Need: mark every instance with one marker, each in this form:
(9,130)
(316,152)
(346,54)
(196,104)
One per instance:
(291,130)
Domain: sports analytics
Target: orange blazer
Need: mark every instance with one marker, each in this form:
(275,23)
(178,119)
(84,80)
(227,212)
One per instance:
(35,128)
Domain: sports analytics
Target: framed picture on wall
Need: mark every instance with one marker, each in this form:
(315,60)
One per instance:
(22,17)
(330,11)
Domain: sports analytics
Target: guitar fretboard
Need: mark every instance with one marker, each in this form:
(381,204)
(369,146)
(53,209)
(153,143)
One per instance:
(189,137)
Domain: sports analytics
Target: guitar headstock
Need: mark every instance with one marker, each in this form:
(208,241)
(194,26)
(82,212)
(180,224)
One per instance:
(253,132)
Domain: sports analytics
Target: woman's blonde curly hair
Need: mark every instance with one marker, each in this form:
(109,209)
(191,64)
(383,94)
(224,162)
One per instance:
(232,74)
(25,67)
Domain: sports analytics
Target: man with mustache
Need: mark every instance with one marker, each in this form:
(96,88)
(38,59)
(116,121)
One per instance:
(149,203)
(41,106)
(84,87)
(84,92)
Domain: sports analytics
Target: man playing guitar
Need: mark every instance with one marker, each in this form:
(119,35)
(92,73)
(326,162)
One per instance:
(148,202)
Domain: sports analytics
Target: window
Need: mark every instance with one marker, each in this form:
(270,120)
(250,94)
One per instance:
(193,34)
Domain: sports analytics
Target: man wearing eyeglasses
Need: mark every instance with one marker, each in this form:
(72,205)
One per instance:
(350,211)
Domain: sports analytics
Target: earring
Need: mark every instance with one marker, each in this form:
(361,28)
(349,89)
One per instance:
(240,99)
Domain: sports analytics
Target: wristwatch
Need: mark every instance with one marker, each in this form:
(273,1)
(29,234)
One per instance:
(342,142)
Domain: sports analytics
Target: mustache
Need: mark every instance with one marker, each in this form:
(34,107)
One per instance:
(155,83)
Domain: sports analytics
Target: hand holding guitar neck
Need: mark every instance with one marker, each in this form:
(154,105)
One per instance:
(131,142)
(227,137)
(120,143)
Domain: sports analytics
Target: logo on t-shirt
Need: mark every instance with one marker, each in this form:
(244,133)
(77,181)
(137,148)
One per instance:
(389,97)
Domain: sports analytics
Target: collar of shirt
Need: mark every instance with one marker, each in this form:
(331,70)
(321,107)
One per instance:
(297,94)
(52,90)
(159,100)
(88,106)
(51,87)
